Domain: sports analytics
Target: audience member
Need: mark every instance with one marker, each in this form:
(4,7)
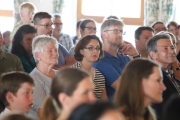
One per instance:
(22,46)
(69,88)
(62,38)
(160,48)
(6,43)
(158,26)
(142,35)
(141,84)
(96,111)
(44,25)
(112,64)
(87,26)
(16,93)
(45,52)
(8,61)
(173,28)
(76,38)
(87,51)
(171,109)
(26,11)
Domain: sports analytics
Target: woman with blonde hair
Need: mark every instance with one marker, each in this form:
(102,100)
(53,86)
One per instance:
(141,84)
(70,88)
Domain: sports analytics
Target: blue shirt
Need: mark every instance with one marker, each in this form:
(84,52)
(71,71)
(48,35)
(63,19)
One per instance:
(63,53)
(111,67)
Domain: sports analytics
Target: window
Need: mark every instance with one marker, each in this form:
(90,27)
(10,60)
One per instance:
(6,15)
(131,11)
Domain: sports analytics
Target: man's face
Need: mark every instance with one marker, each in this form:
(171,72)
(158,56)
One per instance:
(165,54)
(143,38)
(159,27)
(113,36)
(58,25)
(44,27)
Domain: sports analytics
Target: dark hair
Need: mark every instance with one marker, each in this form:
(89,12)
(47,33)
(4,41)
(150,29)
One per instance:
(78,23)
(82,43)
(171,108)
(172,23)
(178,27)
(11,82)
(65,81)
(39,16)
(139,31)
(17,116)
(85,22)
(17,47)
(88,111)
(157,22)
(152,43)
(129,94)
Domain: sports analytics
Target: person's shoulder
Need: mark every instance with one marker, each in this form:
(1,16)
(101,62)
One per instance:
(10,56)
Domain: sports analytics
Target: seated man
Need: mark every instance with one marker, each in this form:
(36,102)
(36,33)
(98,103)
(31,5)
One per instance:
(62,38)
(8,62)
(112,65)
(161,50)
(44,25)
(142,35)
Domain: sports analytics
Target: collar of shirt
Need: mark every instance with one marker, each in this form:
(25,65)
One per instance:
(3,55)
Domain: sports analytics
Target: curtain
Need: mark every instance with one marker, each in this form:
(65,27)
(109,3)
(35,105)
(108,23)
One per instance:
(158,10)
(17,3)
(57,6)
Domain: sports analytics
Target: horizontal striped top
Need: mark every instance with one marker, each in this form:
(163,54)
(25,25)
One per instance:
(99,81)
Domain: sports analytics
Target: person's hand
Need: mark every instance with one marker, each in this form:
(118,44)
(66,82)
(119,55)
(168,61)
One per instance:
(128,49)
(70,60)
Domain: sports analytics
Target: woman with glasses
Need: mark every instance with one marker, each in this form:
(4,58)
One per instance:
(45,52)
(87,51)
(22,46)
(87,27)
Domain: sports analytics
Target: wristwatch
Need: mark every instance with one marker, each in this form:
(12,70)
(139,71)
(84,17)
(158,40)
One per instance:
(137,56)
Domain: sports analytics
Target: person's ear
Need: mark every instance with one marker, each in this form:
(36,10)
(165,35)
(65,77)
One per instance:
(64,99)
(82,52)
(9,97)
(153,55)
(37,56)
(104,35)
(81,32)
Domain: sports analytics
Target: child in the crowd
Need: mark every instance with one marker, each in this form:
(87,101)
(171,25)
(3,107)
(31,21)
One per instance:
(16,93)
(6,37)
(26,11)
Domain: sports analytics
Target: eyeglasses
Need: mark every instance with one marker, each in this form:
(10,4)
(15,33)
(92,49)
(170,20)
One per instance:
(116,31)
(92,48)
(91,28)
(160,29)
(47,25)
(58,24)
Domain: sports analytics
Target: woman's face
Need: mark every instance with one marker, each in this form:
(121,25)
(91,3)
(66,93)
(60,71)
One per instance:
(153,87)
(27,42)
(91,51)
(50,54)
(82,94)
(112,115)
(172,29)
(90,28)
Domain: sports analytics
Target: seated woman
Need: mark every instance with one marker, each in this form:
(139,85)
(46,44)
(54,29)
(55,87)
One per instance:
(87,51)
(96,111)
(45,52)
(69,88)
(141,84)
(87,26)
(22,46)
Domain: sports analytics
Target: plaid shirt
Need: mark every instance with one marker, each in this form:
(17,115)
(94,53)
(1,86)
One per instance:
(66,41)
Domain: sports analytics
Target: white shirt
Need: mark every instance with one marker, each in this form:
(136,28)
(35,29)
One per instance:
(5,113)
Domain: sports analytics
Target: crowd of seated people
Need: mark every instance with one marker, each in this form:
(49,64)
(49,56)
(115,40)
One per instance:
(47,75)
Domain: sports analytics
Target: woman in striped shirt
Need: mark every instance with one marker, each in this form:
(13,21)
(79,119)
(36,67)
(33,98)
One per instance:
(87,51)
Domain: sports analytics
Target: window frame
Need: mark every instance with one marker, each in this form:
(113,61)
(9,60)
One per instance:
(127,21)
